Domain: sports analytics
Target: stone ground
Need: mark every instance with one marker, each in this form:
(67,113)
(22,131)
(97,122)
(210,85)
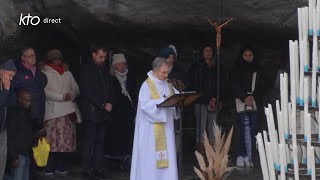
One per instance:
(188,158)
(117,174)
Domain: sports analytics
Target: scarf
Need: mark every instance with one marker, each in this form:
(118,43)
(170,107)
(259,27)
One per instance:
(122,78)
(59,69)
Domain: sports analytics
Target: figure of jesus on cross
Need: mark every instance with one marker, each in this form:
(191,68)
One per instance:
(218,30)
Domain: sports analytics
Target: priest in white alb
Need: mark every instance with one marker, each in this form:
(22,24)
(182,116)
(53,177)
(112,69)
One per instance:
(154,150)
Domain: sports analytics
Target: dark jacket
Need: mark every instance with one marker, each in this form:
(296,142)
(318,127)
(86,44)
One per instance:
(95,91)
(7,98)
(24,79)
(22,130)
(203,79)
(123,116)
(242,79)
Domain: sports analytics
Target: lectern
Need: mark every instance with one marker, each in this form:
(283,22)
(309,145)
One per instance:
(180,100)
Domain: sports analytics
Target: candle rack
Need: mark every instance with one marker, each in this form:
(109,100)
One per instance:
(309,74)
(300,140)
(303,175)
(311,108)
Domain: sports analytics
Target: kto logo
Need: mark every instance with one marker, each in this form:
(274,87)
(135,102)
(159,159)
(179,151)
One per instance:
(26,20)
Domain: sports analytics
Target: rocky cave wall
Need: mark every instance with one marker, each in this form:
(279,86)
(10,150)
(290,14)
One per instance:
(141,28)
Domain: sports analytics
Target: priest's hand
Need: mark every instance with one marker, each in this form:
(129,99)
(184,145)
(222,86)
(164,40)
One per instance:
(108,107)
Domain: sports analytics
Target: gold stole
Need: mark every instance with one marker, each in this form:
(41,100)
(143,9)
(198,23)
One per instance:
(159,129)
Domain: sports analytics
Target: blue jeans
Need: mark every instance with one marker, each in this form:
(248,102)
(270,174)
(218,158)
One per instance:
(20,172)
(246,139)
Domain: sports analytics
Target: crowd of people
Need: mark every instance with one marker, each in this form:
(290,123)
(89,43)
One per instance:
(39,100)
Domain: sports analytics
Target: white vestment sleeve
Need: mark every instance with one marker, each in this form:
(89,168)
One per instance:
(149,106)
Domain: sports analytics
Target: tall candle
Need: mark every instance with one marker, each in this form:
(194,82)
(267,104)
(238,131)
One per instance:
(285,106)
(312,164)
(314,71)
(271,163)
(295,162)
(308,129)
(301,73)
(296,68)
(263,160)
(300,25)
(306,102)
(275,147)
(294,129)
(311,17)
(283,164)
(289,117)
(281,127)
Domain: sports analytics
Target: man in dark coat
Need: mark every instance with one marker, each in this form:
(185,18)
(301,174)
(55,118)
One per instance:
(28,77)
(7,71)
(97,99)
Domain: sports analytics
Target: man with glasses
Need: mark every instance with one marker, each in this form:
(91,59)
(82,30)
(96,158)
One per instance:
(28,77)
(97,100)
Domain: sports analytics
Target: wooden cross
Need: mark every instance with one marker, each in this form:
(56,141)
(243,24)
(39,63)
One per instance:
(218,30)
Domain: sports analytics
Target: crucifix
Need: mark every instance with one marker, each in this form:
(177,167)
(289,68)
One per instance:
(218,32)
(218,44)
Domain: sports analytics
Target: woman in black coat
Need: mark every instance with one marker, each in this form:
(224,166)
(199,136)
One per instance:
(242,79)
(120,136)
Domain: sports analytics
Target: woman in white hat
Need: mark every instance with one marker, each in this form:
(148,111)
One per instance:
(119,141)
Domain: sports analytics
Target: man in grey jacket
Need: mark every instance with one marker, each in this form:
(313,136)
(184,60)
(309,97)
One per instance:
(7,71)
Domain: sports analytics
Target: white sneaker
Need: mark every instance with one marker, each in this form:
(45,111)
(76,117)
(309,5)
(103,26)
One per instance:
(247,162)
(240,161)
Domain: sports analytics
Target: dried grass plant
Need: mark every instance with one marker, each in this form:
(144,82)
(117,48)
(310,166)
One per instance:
(215,167)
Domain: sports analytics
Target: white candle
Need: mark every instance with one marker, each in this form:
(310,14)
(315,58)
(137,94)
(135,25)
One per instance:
(300,25)
(311,17)
(306,25)
(283,164)
(263,160)
(281,127)
(295,162)
(312,164)
(294,129)
(296,65)
(314,71)
(301,73)
(308,130)
(289,118)
(306,103)
(285,106)
(275,147)
(317,19)
(271,163)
